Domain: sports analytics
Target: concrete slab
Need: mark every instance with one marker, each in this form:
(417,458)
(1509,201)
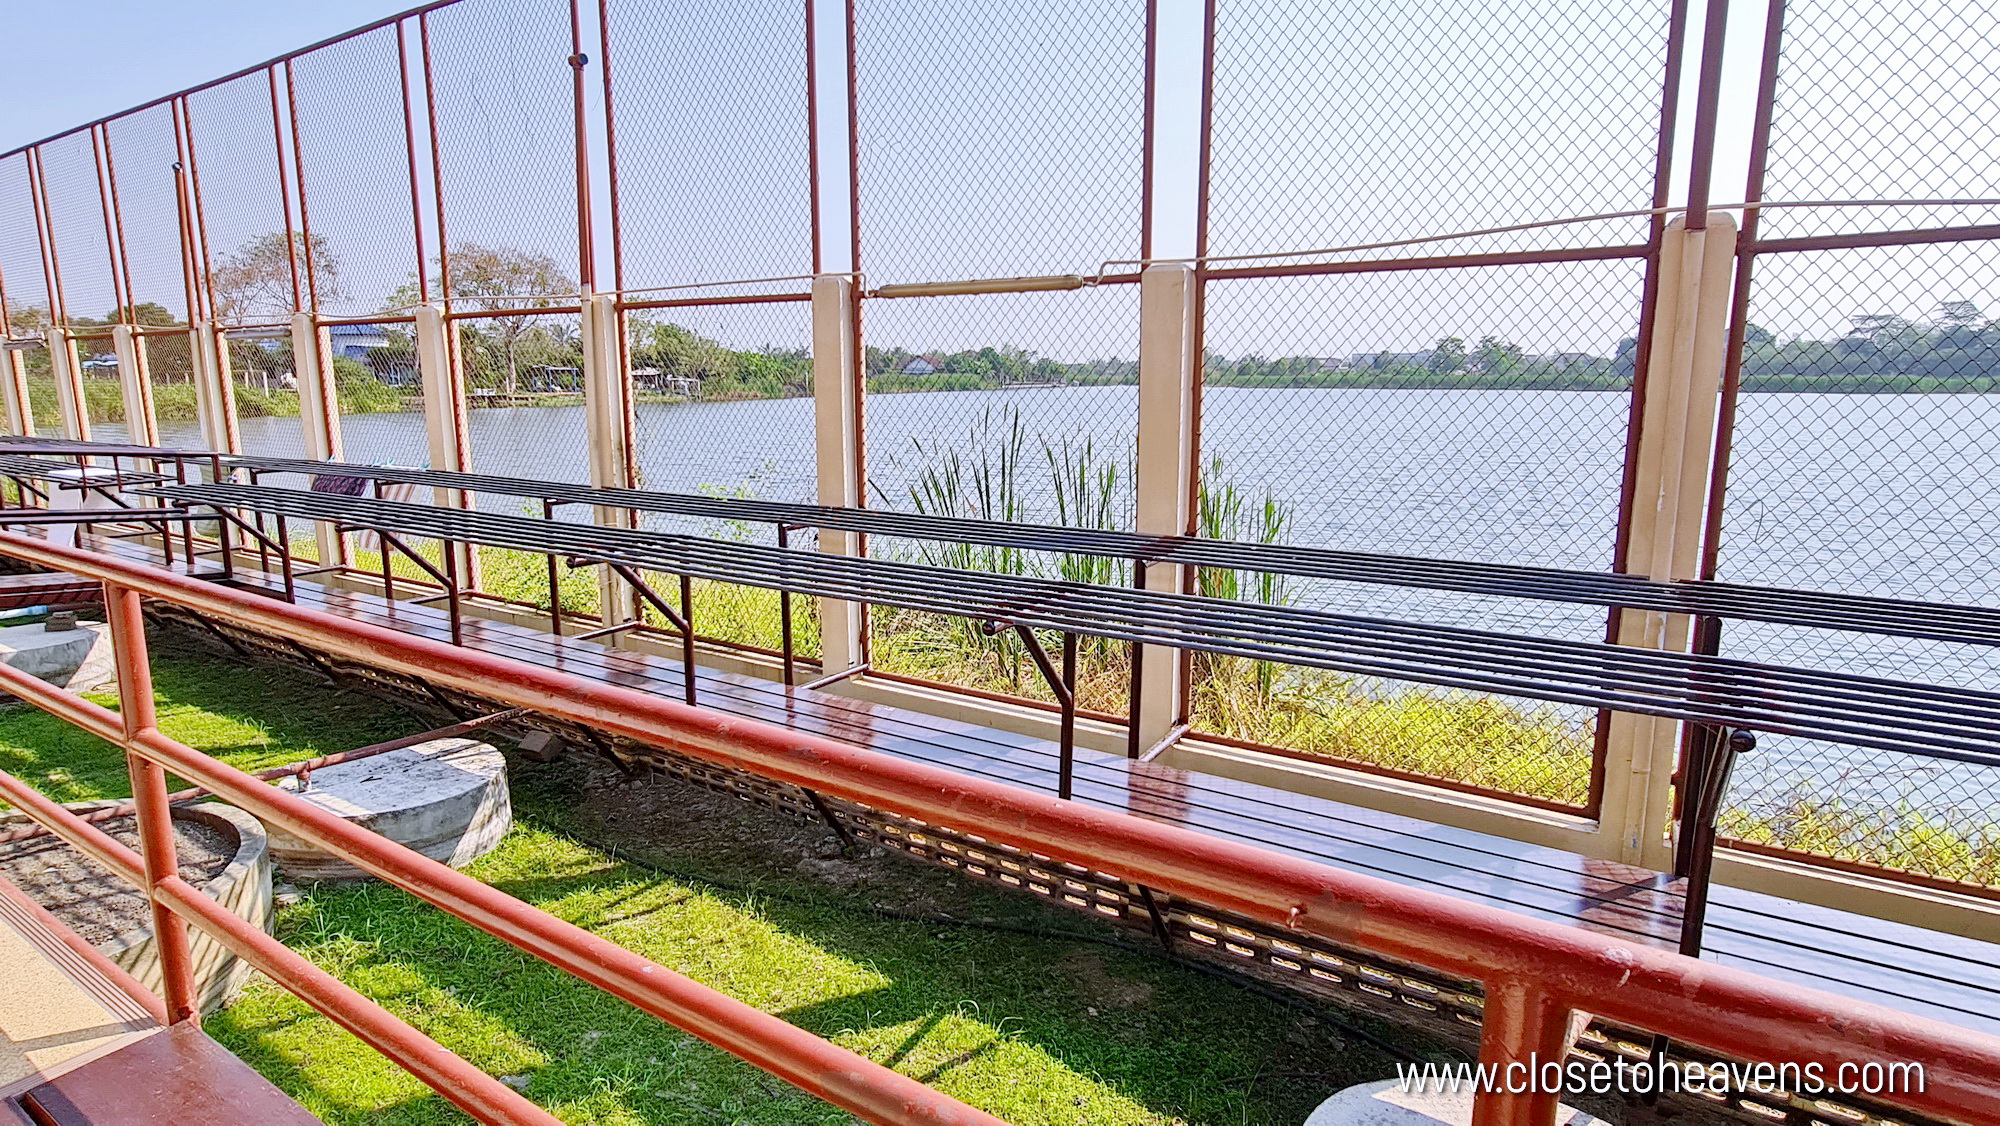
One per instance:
(1385,1103)
(446,798)
(78,659)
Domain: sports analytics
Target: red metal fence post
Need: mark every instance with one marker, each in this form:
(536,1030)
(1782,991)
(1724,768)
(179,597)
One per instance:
(1523,1040)
(124,610)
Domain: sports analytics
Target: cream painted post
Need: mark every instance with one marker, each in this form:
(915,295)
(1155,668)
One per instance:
(444,415)
(319,413)
(1165,468)
(607,403)
(836,421)
(136,385)
(1676,444)
(14,390)
(214,389)
(63,367)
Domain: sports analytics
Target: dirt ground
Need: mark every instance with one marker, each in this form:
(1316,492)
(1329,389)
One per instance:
(93,902)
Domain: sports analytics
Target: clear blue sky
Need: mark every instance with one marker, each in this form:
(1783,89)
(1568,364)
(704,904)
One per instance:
(80,60)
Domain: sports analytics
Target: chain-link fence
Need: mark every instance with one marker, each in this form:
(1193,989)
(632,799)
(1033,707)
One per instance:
(709,204)
(1431,414)
(1860,458)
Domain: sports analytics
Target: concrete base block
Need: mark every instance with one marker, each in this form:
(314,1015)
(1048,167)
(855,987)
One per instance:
(1385,1103)
(78,659)
(244,887)
(446,799)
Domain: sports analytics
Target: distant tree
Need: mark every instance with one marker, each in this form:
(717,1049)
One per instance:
(1959,314)
(519,284)
(1757,335)
(679,351)
(255,279)
(27,320)
(1494,356)
(1448,356)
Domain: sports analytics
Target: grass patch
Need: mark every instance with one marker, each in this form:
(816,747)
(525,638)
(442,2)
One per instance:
(249,717)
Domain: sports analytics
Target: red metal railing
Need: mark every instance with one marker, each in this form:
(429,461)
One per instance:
(843,1078)
(1536,974)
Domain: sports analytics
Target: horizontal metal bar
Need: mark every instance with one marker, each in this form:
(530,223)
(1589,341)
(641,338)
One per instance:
(1174,735)
(605,631)
(1983,232)
(835,678)
(1431,262)
(1042,284)
(848,1081)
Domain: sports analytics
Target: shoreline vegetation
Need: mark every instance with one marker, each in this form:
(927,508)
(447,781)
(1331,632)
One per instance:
(362,393)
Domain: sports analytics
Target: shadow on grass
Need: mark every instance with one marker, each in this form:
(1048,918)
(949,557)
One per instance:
(1034,1029)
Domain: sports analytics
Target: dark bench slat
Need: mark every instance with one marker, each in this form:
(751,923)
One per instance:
(1813,609)
(1935,721)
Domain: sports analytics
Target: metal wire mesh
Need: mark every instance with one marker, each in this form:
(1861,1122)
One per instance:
(1883,99)
(142,156)
(523,379)
(375,378)
(256,266)
(501,83)
(170,370)
(355,176)
(25,284)
(77,228)
(1861,460)
(723,404)
(998,140)
(1356,123)
(1474,413)
(268,418)
(1019,407)
(709,108)
(103,393)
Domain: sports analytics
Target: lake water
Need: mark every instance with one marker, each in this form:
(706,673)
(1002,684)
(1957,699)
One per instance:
(1882,494)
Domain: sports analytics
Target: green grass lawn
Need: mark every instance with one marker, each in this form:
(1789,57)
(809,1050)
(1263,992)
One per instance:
(1044,1027)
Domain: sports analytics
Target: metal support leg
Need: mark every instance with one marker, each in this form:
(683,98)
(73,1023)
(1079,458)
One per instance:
(126,615)
(1705,781)
(687,635)
(785,617)
(676,618)
(1063,685)
(446,578)
(832,822)
(555,580)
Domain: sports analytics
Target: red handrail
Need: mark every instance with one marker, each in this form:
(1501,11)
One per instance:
(841,1077)
(1536,973)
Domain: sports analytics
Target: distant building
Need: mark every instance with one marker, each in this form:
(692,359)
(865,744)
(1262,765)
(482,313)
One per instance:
(354,341)
(922,365)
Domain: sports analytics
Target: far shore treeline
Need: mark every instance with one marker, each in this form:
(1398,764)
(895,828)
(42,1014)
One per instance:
(520,351)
